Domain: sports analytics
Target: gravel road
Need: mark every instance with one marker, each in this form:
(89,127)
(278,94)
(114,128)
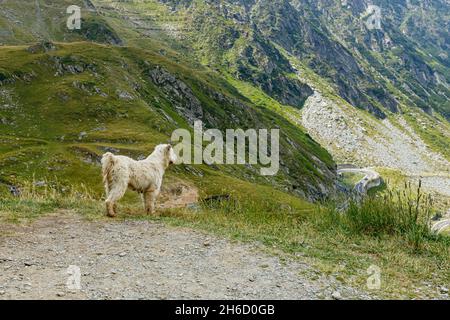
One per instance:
(148,260)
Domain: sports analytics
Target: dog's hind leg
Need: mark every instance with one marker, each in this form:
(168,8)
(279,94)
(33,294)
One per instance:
(143,199)
(106,189)
(150,200)
(115,193)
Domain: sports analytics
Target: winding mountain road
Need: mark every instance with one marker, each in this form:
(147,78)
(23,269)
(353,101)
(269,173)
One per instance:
(371,179)
(443,224)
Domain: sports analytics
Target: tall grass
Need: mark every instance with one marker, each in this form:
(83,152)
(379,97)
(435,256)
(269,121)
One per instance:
(34,201)
(55,191)
(405,213)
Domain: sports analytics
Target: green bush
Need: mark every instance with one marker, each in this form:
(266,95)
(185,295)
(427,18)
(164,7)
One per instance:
(404,213)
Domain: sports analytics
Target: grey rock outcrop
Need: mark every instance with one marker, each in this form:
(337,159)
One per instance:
(178,93)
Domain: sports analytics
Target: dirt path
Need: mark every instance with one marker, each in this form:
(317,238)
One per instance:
(147,260)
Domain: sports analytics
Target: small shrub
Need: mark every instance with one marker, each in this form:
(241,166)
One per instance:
(403,213)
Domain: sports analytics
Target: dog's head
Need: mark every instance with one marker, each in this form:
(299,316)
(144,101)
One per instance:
(166,153)
(169,154)
(172,156)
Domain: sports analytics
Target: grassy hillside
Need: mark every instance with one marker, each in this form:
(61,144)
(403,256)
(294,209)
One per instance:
(63,105)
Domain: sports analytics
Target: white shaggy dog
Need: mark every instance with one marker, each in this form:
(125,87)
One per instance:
(145,176)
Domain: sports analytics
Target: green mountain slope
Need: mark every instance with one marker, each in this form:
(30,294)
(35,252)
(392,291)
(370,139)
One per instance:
(63,105)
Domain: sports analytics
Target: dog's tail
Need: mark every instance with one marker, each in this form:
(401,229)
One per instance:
(107,166)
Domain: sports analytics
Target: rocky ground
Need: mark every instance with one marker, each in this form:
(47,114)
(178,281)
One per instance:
(354,138)
(148,260)
(438,184)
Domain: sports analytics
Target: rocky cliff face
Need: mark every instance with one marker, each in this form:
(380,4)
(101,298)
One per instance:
(408,50)
(347,134)
(227,39)
(334,39)
(292,28)
(180,95)
(403,60)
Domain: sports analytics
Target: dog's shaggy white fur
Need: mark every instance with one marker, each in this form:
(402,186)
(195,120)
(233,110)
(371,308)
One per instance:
(145,176)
